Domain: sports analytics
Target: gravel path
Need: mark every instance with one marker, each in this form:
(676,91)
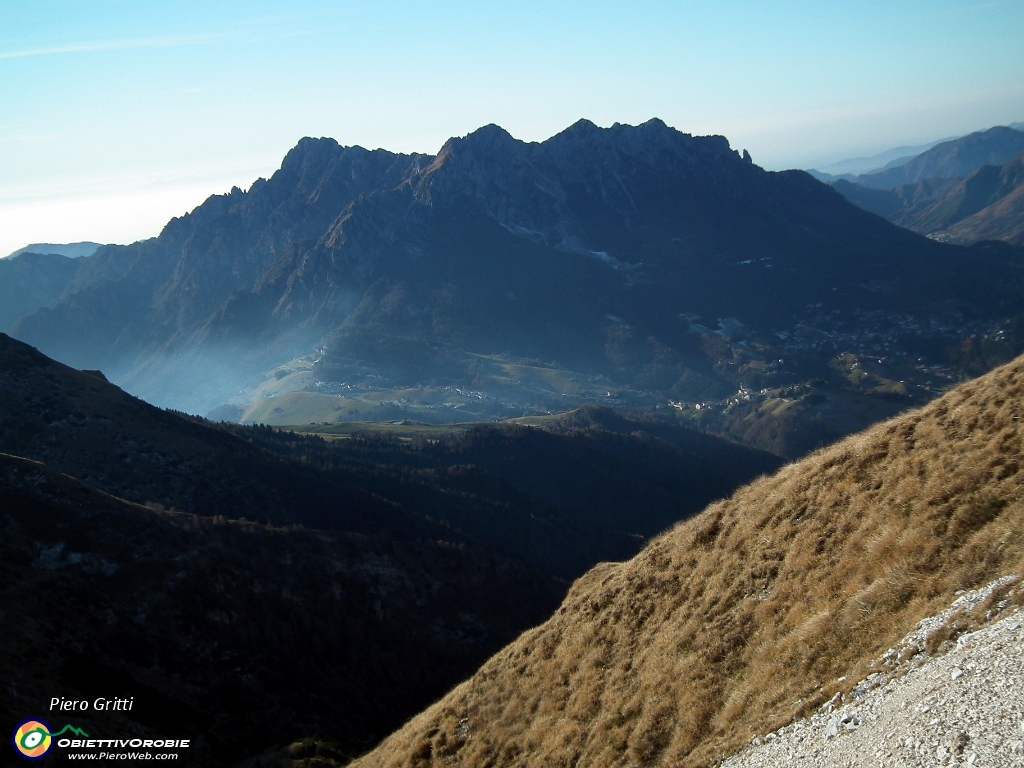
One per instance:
(964,708)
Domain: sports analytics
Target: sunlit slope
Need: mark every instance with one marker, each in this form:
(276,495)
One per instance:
(750,613)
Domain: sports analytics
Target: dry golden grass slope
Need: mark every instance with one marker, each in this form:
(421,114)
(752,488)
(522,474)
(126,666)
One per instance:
(746,616)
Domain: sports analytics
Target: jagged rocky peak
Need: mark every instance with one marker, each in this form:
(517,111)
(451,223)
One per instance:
(315,167)
(649,140)
(526,185)
(490,146)
(310,151)
(491,165)
(582,126)
(489,135)
(317,179)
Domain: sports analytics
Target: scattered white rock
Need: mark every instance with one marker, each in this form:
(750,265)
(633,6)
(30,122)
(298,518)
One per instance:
(964,708)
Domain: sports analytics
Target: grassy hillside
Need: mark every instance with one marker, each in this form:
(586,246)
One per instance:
(757,610)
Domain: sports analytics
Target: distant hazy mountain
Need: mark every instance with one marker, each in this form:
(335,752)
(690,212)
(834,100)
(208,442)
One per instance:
(951,159)
(37,276)
(855,166)
(32,280)
(597,250)
(900,205)
(71,250)
(987,205)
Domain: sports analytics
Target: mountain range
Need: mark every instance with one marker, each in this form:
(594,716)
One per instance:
(987,205)
(855,166)
(609,253)
(630,295)
(850,168)
(954,158)
(962,191)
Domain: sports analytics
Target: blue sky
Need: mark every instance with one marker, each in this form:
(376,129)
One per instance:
(117,114)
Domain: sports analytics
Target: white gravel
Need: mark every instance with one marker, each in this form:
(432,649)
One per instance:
(963,708)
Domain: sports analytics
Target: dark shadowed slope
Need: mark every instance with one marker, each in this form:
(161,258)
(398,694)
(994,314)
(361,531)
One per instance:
(560,497)
(759,609)
(231,634)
